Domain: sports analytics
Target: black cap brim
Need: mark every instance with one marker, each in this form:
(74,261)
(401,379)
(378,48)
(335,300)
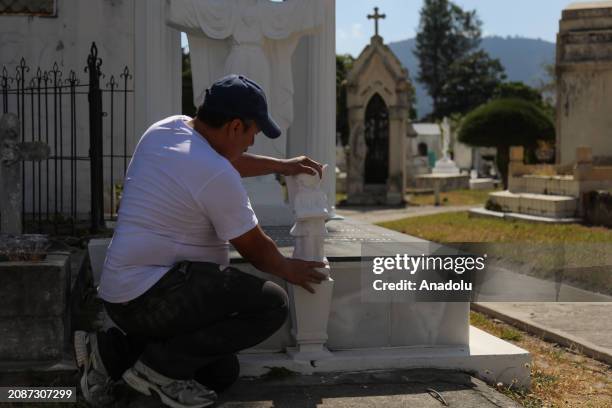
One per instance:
(268,127)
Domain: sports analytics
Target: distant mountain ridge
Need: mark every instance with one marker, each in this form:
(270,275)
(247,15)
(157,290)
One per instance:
(523,59)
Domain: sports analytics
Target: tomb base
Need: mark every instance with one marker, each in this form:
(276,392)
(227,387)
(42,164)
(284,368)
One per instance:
(34,323)
(487,357)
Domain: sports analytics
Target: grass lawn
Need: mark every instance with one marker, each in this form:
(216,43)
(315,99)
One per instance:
(560,377)
(583,252)
(457,197)
(458,227)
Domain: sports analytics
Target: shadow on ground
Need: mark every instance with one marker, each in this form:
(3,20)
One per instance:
(407,388)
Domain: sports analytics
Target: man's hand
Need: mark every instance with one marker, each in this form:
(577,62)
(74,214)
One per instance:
(259,249)
(303,273)
(300,164)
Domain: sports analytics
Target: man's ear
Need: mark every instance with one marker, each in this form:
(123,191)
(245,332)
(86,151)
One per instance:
(237,125)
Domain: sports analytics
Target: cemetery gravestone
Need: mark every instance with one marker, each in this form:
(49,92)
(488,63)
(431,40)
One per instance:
(34,291)
(12,154)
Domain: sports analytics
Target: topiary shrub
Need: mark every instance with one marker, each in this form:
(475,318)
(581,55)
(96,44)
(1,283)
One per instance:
(502,123)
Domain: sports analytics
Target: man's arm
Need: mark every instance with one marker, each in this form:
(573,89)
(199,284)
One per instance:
(251,165)
(259,249)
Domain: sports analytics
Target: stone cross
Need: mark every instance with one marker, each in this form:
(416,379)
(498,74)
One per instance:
(12,154)
(376,17)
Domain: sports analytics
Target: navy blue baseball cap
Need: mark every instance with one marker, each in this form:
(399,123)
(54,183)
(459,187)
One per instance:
(237,95)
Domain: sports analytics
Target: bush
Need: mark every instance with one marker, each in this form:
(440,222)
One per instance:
(502,123)
(509,122)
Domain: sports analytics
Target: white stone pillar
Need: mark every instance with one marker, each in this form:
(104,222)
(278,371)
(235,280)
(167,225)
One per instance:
(157,65)
(318,53)
(309,312)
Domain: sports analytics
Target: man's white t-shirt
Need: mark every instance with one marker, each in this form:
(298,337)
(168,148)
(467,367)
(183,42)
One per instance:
(181,201)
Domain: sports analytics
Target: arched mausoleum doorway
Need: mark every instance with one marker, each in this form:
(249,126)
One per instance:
(377,141)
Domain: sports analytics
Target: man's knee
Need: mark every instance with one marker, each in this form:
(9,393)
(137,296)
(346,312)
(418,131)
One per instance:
(277,303)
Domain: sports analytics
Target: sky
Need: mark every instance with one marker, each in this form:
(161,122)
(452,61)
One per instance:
(524,18)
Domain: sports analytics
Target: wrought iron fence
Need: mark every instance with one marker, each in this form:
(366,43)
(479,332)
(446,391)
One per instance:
(78,182)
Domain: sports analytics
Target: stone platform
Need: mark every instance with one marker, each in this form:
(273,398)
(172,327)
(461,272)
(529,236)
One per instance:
(544,205)
(484,213)
(483,184)
(391,335)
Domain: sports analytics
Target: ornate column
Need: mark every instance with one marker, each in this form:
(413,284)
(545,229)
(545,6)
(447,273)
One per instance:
(157,66)
(309,312)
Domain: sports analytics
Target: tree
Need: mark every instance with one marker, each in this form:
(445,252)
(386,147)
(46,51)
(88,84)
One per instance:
(548,85)
(446,34)
(502,123)
(471,81)
(344,64)
(519,90)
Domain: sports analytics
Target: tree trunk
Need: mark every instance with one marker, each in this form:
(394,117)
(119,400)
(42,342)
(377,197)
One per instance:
(503,160)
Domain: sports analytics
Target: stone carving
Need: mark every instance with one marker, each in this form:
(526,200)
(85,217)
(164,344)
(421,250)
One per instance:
(12,153)
(255,38)
(309,200)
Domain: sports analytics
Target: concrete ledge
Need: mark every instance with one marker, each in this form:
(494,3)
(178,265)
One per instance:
(489,358)
(484,213)
(540,205)
(483,184)
(547,333)
(446,182)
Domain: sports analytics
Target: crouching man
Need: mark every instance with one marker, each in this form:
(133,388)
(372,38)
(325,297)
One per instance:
(183,313)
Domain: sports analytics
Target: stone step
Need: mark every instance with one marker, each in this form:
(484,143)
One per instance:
(549,185)
(545,205)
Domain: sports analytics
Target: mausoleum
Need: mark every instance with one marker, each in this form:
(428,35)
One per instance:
(584,77)
(378,102)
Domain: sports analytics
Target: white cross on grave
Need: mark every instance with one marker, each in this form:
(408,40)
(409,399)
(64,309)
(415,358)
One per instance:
(12,154)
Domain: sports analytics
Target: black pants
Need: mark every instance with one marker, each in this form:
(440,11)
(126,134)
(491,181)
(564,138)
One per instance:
(191,323)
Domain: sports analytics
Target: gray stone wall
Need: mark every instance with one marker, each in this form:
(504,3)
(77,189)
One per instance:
(34,325)
(584,78)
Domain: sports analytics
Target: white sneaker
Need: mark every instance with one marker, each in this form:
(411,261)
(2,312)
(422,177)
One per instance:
(96,384)
(173,393)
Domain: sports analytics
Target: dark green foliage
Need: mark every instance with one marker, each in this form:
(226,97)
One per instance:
(502,123)
(471,81)
(510,122)
(343,66)
(521,91)
(446,34)
(518,90)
